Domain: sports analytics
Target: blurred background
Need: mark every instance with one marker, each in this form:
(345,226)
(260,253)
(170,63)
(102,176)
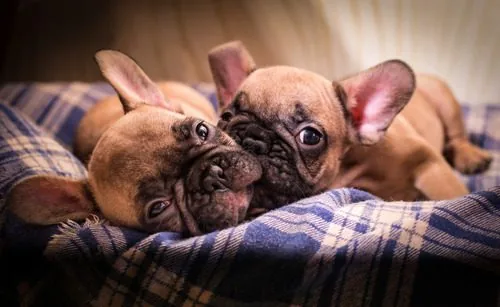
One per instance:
(54,40)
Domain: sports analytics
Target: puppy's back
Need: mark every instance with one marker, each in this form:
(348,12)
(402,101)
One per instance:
(93,124)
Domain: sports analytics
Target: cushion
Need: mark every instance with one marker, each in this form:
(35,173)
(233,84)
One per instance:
(342,247)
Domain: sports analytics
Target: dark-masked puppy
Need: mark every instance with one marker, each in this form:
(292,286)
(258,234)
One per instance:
(311,134)
(152,169)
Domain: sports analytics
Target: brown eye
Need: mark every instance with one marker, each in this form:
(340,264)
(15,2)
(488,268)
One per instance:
(157,207)
(310,136)
(202,131)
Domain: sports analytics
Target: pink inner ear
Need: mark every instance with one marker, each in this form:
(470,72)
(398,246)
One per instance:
(357,112)
(376,96)
(237,73)
(140,89)
(60,196)
(230,65)
(49,200)
(226,97)
(360,97)
(371,103)
(231,73)
(375,93)
(131,83)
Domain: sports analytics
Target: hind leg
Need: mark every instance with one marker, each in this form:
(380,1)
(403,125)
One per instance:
(436,180)
(466,157)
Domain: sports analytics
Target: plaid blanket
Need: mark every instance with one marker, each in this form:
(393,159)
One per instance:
(341,248)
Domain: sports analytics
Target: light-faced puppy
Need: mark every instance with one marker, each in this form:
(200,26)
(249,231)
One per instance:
(152,169)
(179,98)
(311,134)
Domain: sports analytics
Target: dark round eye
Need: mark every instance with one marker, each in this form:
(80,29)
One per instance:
(226,116)
(157,208)
(202,131)
(310,136)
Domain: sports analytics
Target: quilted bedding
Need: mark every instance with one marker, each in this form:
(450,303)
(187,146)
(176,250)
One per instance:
(344,247)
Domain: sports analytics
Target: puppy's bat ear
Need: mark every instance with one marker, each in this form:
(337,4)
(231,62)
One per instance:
(230,63)
(48,200)
(375,96)
(130,82)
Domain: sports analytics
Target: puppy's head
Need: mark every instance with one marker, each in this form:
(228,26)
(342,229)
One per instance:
(299,124)
(152,170)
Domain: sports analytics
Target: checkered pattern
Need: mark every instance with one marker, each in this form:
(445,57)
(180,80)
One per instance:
(58,107)
(483,125)
(341,248)
(26,151)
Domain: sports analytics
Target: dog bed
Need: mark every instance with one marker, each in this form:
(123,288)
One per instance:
(342,247)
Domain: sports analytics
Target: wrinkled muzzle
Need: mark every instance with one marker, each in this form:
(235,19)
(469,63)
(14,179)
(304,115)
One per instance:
(280,183)
(219,189)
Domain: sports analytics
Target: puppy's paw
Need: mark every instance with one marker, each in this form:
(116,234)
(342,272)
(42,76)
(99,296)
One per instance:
(466,157)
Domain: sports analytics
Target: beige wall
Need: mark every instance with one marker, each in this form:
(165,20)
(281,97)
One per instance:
(458,39)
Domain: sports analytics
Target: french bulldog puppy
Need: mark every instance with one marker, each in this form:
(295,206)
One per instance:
(152,169)
(181,99)
(311,134)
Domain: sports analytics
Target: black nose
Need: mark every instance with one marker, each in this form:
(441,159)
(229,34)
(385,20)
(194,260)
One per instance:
(256,139)
(215,179)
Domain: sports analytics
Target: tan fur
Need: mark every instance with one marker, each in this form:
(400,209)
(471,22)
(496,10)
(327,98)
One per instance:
(396,167)
(141,145)
(152,168)
(388,168)
(407,163)
(118,163)
(108,110)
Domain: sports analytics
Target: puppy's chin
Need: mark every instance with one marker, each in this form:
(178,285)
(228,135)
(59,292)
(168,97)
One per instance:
(277,188)
(226,208)
(238,200)
(219,189)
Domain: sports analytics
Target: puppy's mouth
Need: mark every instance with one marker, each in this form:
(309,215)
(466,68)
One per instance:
(219,188)
(239,200)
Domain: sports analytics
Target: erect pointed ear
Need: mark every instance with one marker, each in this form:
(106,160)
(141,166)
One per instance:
(230,63)
(49,200)
(130,82)
(375,96)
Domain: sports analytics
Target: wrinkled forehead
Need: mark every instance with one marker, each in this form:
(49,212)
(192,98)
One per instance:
(148,120)
(139,143)
(285,91)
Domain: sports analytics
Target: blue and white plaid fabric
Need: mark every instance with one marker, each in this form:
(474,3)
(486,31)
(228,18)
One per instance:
(341,248)
(58,107)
